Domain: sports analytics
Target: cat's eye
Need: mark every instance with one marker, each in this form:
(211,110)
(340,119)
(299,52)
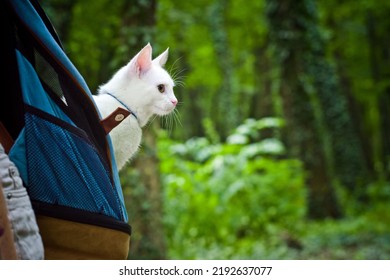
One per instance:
(161,88)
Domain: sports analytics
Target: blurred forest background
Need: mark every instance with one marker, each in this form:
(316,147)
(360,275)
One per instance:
(281,144)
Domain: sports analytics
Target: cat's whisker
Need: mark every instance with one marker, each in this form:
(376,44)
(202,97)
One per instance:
(176,74)
(153,118)
(172,121)
(170,126)
(150,122)
(179,104)
(179,83)
(177,117)
(174,67)
(166,124)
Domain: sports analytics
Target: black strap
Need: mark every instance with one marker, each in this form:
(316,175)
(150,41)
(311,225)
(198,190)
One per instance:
(47,21)
(11,104)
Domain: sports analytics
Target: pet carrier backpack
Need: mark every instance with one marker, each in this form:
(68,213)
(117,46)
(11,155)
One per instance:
(59,145)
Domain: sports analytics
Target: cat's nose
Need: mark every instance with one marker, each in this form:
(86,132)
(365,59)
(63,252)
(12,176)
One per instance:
(174,101)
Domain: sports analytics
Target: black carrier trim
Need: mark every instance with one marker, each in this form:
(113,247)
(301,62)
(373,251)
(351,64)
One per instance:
(11,105)
(47,21)
(79,216)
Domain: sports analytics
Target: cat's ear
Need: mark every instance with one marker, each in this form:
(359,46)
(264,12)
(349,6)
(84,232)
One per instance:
(142,62)
(162,58)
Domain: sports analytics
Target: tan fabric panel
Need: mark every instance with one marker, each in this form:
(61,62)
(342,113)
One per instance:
(66,240)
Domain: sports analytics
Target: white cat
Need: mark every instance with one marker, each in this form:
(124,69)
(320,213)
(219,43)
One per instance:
(143,87)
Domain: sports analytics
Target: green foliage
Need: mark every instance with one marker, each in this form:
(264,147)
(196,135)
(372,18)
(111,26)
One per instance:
(221,199)
(241,199)
(360,238)
(91,46)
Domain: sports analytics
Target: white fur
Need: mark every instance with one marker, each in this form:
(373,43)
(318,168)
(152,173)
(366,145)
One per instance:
(136,85)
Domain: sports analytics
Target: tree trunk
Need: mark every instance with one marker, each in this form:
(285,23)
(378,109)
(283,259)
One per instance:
(226,109)
(144,201)
(292,24)
(378,47)
(265,102)
(262,103)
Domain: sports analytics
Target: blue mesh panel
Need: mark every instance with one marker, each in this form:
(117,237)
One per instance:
(65,169)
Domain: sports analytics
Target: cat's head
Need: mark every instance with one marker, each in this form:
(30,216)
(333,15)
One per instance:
(145,86)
